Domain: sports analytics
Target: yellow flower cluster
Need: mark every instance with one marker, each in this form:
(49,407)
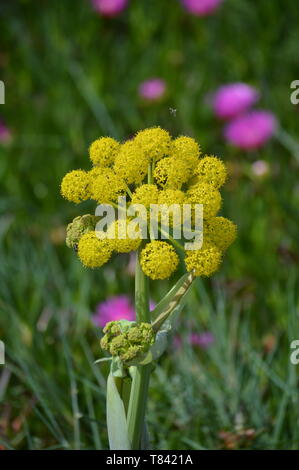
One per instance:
(103,151)
(122,236)
(75,186)
(94,251)
(151,168)
(146,194)
(158,260)
(105,186)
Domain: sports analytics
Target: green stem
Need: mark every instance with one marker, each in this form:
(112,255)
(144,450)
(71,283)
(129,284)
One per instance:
(141,374)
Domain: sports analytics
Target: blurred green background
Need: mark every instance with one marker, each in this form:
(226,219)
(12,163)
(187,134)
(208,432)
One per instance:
(72,75)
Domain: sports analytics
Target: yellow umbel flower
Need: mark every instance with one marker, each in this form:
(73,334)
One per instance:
(146,194)
(158,260)
(122,237)
(187,149)
(211,170)
(171,173)
(203,262)
(131,162)
(75,186)
(155,142)
(171,196)
(221,231)
(206,194)
(103,151)
(93,251)
(105,185)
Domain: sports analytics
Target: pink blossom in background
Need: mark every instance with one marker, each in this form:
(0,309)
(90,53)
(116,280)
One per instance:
(202,340)
(5,134)
(109,7)
(251,130)
(233,99)
(201,7)
(115,308)
(152,89)
(118,307)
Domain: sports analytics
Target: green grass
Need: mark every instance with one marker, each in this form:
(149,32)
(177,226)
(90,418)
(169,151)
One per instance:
(71,76)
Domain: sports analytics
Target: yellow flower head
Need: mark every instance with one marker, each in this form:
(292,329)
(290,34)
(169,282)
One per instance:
(169,197)
(187,149)
(131,162)
(122,236)
(105,185)
(75,186)
(221,231)
(171,173)
(203,262)
(146,194)
(102,151)
(158,260)
(211,170)
(93,251)
(155,142)
(206,194)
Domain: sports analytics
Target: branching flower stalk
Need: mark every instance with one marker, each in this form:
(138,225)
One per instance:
(151,169)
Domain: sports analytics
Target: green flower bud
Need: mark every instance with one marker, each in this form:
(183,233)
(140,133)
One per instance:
(79,227)
(127,340)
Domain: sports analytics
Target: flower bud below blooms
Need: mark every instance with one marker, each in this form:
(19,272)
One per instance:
(127,340)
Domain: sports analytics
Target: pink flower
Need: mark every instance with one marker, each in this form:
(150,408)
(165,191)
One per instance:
(202,340)
(118,307)
(233,99)
(5,134)
(201,7)
(109,7)
(251,130)
(152,89)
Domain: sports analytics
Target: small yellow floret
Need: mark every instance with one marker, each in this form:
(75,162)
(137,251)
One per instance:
(211,170)
(171,196)
(105,185)
(131,163)
(103,151)
(187,149)
(206,194)
(93,251)
(75,186)
(203,262)
(171,173)
(155,142)
(122,237)
(221,231)
(146,194)
(158,260)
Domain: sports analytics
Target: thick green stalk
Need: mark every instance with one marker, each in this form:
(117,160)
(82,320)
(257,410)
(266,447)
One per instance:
(141,374)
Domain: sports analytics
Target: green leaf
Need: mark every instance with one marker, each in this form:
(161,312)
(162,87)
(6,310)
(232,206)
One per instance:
(116,418)
(103,359)
(172,303)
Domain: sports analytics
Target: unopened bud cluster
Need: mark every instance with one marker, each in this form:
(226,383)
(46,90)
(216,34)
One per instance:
(127,340)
